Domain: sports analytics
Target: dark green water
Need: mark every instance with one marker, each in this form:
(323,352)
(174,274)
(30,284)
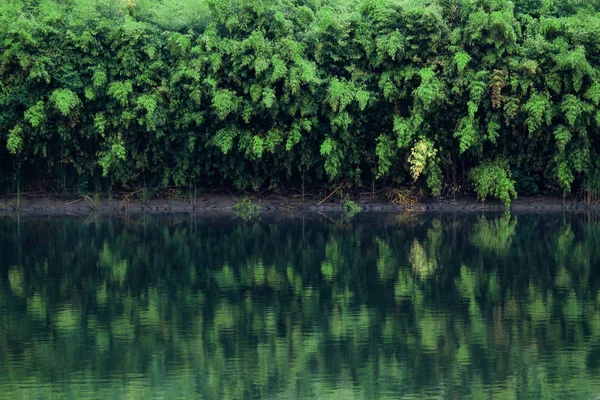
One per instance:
(380,307)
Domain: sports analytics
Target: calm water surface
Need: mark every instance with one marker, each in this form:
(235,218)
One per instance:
(446,307)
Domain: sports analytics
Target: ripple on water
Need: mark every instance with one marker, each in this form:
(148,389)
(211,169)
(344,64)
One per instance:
(420,307)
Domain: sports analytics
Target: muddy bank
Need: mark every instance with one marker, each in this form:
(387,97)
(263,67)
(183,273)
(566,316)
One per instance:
(224,204)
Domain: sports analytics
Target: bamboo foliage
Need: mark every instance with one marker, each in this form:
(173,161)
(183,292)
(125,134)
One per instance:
(263,93)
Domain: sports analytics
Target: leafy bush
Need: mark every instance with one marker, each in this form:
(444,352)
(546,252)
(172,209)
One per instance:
(493,179)
(264,93)
(245,209)
(351,208)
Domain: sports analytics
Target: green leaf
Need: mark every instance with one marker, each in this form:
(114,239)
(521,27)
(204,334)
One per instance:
(461,59)
(65,101)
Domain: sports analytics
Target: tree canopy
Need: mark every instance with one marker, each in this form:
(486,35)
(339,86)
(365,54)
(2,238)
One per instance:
(448,95)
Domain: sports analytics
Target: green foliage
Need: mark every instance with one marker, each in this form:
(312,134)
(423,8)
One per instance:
(64,100)
(120,91)
(461,59)
(245,209)
(14,143)
(423,160)
(35,115)
(562,136)
(539,110)
(386,150)
(225,102)
(111,158)
(259,94)
(493,179)
(351,208)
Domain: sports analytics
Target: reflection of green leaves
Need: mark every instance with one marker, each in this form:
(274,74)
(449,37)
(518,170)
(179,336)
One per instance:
(327,270)
(66,320)
(102,295)
(564,244)
(572,308)
(16,281)
(495,235)
(386,263)
(404,286)
(304,301)
(467,284)
(333,261)
(463,355)
(538,312)
(423,264)
(430,327)
(259,274)
(226,278)
(494,288)
(117,268)
(122,328)
(36,306)
(224,319)
(563,278)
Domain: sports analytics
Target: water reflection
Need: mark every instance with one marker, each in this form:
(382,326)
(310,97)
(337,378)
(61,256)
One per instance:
(420,306)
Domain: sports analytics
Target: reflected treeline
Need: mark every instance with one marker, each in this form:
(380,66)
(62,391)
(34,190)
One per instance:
(452,306)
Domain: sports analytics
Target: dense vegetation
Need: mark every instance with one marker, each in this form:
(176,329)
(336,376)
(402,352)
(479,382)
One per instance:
(450,95)
(419,307)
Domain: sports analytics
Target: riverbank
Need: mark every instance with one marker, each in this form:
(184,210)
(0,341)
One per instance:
(219,203)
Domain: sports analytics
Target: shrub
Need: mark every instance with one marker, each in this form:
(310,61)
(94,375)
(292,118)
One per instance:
(245,209)
(263,94)
(493,179)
